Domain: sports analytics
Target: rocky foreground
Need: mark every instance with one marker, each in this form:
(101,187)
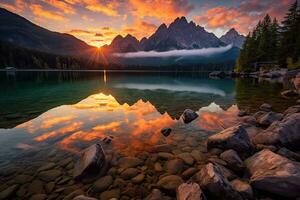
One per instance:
(258,158)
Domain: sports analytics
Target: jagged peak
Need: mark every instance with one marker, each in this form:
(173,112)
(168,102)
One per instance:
(162,26)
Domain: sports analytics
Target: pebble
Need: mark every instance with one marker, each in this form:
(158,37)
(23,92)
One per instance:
(188,173)
(49,175)
(170,182)
(129,173)
(165,155)
(36,187)
(158,167)
(138,179)
(102,184)
(7,193)
(23,178)
(110,194)
(129,162)
(49,187)
(46,167)
(38,197)
(187,158)
(174,166)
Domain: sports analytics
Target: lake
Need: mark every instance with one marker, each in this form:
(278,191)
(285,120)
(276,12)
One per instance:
(49,117)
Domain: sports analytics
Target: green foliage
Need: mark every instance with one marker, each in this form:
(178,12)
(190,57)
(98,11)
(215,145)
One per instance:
(269,42)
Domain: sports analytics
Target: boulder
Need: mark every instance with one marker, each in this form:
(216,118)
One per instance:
(189,191)
(129,162)
(233,160)
(188,116)
(213,182)
(289,93)
(275,174)
(235,138)
(284,133)
(92,159)
(154,195)
(243,188)
(267,119)
(265,107)
(166,132)
(289,154)
(170,182)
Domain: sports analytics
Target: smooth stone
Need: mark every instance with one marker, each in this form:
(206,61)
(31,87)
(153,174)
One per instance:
(233,160)
(191,141)
(273,173)
(187,158)
(243,188)
(174,166)
(265,107)
(229,175)
(129,173)
(197,155)
(36,187)
(267,119)
(138,179)
(154,195)
(290,93)
(50,187)
(49,175)
(23,178)
(129,162)
(242,113)
(110,194)
(158,167)
(38,197)
(291,110)
(82,197)
(8,192)
(162,148)
(65,162)
(46,167)
(166,132)
(260,147)
(102,184)
(189,191)
(188,173)
(188,116)
(74,194)
(170,182)
(165,155)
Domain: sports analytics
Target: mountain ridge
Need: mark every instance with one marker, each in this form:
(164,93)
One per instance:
(233,37)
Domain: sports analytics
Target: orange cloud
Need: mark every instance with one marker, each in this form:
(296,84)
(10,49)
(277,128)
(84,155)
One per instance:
(40,12)
(63,6)
(17,7)
(139,29)
(79,32)
(107,8)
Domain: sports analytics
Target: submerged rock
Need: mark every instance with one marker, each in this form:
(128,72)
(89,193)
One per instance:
(189,191)
(275,174)
(174,166)
(233,160)
(129,173)
(128,162)
(170,182)
(166,132)
(49,175)
(91,160)
(290,93)
(154,195)
(189,116)
(8,192)
(102,184)
(211,180)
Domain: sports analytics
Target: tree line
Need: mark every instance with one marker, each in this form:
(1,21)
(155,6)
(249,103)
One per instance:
(271,43)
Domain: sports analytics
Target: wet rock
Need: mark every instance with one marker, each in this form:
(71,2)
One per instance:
(129,162)
(82,197)
(166,132)
(107,140)
(162,148)
(8,192)
(283,133)
(92,159)
(292,110)
(215,151)
(243,188)
(50,187)
(165,155)
(187,158)
(211,180)
(296,82)
(233,160)
(170,182)
(154,195)
(228,174)
(138,179)
(197,155)
(65,162)
(110,194)
(235,138)
(46,167)
(188,173)
(49,175)
(275,174)
(174,166)
(191,141)
(74,194)
(129,173)
(242,113)
(189,191)
(290,93)
(218,161)
(36,187)
(38,197)
(102,184)
(158,167)
(63,180)
(265,107)
(260,147)
(267,119)
(23,178)
(259,114)
(188,116)
(289,154)
(249,120)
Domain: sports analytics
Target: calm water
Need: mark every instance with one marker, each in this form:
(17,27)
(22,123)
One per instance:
(46,113)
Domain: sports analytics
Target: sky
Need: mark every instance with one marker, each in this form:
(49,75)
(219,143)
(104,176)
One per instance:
(97,22)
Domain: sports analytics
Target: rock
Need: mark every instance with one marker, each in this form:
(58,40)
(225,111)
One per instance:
(275,174)
(217,160)
(189,116)
(38,197)
(292,110)
(162,148)
(211,180)
(8,192)
(290,93)
(233,160)
(228,174)
(282,133)
(235,138)
(188,173)
(46,167)
(154,195)
(49,187)
(129,173)
(243,188)
(107,140)
(36,187)
(260,147)
(102,184)
(187,158)
(49,175)
(23,178)
(129,162)
(65,162)
(166,132)
(138,179)
(82,197)
(289,154)
(267,119)
(242,113)
(296,82)
(265,107)
(110,194)
(174,166)
(197,155)
(189,191)
(165,155)
(74,194)
(170,182)
(158,167)
(91,160)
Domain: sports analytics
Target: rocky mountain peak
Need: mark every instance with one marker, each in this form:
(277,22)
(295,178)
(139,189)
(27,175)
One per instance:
(233,37)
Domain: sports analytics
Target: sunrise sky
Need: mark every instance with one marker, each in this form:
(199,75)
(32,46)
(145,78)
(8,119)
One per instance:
(97,22)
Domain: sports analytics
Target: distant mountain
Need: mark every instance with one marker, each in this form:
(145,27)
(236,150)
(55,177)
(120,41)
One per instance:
(181,34)
(18,30)
(233,37)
